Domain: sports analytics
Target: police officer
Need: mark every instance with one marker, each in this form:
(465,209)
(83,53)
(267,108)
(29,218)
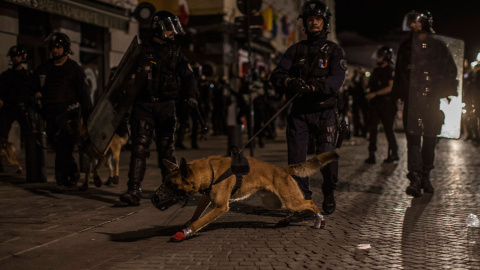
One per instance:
(315,68)
(65,102)
(15,93)
(382,105)
(421,148)
(154,106)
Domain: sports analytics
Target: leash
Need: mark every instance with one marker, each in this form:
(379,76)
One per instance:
(270,120)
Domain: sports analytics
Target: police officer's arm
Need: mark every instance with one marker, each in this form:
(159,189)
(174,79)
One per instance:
(335,79)
(188,84)
(281,74)
(383,91)
(401,78)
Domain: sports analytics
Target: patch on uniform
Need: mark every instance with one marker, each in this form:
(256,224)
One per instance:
(190,68)
(343,64)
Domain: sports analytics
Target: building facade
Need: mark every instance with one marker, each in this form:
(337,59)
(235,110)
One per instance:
(100,32)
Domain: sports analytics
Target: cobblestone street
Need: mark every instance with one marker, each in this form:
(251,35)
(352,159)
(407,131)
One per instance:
(40,229)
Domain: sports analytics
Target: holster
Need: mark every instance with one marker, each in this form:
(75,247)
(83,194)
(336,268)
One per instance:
(342,132)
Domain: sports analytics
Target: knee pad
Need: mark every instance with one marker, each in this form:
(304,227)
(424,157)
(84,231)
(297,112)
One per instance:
(140,151)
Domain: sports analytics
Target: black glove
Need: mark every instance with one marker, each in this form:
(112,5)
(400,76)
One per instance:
(318,84)
(192,103)
(298,85)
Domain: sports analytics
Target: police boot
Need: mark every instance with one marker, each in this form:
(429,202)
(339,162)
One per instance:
(392,156)
(133,195)
(426,185)
(329,203)
(371,158)
(414,189)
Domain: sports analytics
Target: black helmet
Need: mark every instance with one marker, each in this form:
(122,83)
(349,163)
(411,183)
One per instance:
(166,21)
(386,52)
(315,8)
(18,50)
(59,40)
(425,18)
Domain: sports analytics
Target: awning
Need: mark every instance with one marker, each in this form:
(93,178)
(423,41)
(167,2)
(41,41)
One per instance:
(82,10)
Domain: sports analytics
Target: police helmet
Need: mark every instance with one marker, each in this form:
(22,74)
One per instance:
(315,8)
(59,40)
(166,21)
(385,52)
(425,18)
(18,50)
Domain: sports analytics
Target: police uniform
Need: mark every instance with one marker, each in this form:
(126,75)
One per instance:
(321,63)
(16,92)
(382,108)
(439,79)
(154,108)
(65,99)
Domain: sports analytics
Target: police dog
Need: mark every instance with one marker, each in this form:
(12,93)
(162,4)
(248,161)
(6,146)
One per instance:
(275,186)
(8,150)
(112,153)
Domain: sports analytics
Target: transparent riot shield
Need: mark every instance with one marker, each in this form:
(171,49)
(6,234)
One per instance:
(118,97)
(435,90)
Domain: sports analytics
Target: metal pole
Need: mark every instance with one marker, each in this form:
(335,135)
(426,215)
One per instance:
(249,80)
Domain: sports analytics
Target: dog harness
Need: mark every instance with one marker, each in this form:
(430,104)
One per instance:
(239,166)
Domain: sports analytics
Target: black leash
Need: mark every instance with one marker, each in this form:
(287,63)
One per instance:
(270,120)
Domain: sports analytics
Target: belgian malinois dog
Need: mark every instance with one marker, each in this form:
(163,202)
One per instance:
(275,186)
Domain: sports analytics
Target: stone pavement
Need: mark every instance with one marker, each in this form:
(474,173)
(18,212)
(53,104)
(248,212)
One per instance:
(41,229)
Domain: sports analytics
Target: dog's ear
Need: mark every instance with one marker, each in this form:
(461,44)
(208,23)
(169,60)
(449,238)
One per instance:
(183,168)
(170,165)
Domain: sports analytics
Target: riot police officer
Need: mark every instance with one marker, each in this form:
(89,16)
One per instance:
(15,93)
(315,68)
(437,72)
(382,105)
(154,106)
(65,99)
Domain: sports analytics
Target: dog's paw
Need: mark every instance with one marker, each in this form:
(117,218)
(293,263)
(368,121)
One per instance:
(83,187)
(97,181)
(181,235)
(115,180)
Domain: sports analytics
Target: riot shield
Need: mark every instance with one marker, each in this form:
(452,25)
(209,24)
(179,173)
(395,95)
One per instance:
(435,90)
(118,96)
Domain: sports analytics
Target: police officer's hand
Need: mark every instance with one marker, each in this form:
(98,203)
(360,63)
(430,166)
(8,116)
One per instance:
(38,95)
(192,103)
(298,85)
(318,85)
(1,103)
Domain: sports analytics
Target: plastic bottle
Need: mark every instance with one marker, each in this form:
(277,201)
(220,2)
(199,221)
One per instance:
(472,221)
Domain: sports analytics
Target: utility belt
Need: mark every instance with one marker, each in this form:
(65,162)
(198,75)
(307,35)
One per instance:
(319,106)
(163,97)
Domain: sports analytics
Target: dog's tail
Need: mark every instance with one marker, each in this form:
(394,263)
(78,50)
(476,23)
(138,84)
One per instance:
(312,165)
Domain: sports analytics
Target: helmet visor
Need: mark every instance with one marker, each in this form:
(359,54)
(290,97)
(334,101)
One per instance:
(172,24)
(410,18)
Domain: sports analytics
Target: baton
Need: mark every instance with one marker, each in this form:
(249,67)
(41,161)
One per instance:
(202,122)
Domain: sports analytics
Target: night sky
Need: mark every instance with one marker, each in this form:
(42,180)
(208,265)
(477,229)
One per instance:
(377,18)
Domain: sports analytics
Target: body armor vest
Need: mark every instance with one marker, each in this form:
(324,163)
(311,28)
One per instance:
(312,63)
(162,79)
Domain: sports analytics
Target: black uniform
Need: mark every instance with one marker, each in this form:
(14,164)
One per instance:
(421,154)
(154,111)
(382,108)
(321,63)
(16,93)
(65,99)
(359,105)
